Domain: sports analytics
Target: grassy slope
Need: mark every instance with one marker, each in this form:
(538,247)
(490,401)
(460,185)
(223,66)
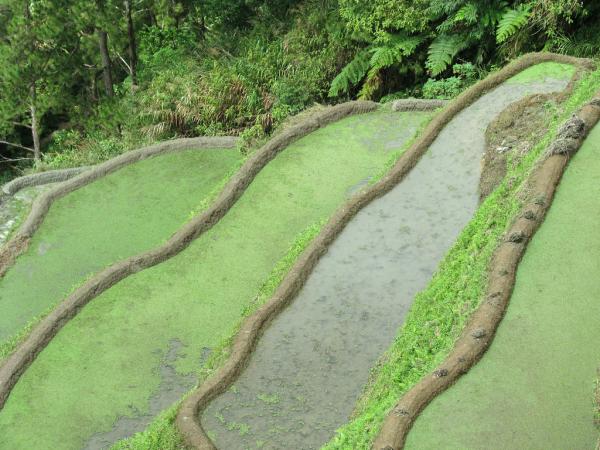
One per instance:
(439,313)
(104,362)
(122,214)
(533,386)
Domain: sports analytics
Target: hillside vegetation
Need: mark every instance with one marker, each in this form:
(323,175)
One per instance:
(83,80)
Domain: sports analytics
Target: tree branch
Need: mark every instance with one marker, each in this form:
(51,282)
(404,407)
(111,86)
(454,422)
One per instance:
(19,124)
(124,62)
(7,160)
(29,149)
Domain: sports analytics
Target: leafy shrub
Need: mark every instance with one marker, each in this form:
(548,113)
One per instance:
(448,88)
(271,76)
(70,149)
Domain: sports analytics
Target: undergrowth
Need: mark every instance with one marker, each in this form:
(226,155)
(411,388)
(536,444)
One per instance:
(162,433)
(440,312)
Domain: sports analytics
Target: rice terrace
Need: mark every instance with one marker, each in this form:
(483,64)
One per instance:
(393,255)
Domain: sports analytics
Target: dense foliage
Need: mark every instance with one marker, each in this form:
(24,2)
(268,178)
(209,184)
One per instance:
(407,42)
(82,80)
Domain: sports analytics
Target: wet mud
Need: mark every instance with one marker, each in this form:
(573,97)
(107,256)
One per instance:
(511,136)
(13,209)
(172,387)
(311,364)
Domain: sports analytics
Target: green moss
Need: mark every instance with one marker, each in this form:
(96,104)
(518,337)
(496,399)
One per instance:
(439,313)
(120,215)
(542,71)
(545,352)
(103,364)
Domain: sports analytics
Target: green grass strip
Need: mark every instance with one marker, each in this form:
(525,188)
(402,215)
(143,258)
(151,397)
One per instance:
(440,312)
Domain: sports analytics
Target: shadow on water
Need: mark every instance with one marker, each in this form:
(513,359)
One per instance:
(311,364)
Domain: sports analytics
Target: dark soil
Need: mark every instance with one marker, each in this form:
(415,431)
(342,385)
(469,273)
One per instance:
(511,136)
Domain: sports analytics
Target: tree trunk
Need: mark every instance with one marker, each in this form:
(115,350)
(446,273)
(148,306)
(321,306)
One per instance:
(108,82)
(132,44)
(35,129)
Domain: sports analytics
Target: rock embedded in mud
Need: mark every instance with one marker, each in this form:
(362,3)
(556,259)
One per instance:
(573,128)
(568,137)
(399,411)
(516,237)
(529,215)
(495,299)
(563,146)
(478,333)
(441,373)
(540,200)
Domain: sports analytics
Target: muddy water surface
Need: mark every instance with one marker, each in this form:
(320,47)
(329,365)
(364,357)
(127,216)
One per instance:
(311,364)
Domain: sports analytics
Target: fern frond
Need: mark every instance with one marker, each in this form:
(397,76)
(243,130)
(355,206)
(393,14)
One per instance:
(384,57)
(371,85)
(446,26)
(408,44)
(442,51)
(394,50)
(350,75)
(512,21)
(466,14)
(440,8)
(492,13)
